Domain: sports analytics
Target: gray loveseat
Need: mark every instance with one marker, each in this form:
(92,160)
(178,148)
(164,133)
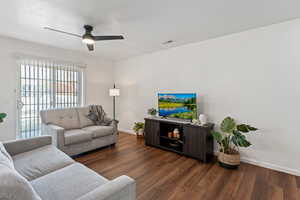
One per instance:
(33,169)
(74,133)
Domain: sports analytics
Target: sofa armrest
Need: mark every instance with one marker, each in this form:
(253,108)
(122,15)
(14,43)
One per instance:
(121,188)
(56,132)
(20,146)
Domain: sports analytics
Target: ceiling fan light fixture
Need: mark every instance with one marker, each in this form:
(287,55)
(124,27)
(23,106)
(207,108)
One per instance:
(88,39)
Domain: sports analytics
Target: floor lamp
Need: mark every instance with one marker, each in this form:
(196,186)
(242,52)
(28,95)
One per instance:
(114,92)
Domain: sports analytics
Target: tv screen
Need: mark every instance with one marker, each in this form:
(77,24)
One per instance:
(177,105)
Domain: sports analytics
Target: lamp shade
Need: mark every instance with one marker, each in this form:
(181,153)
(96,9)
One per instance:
(114,92)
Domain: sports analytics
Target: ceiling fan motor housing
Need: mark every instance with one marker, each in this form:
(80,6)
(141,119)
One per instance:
(88,28)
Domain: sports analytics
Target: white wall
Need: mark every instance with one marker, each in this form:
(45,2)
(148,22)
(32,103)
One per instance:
(98,77)
(252,76)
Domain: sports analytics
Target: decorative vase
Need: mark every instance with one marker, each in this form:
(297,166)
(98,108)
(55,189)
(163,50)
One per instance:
(229,161)
(176,133)
(203,119)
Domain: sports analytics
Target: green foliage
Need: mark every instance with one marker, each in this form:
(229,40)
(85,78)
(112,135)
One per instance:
(137,126)
(2,116)
(218,137)
(228,125)
(240,140)
(232,135)
(245,128)
(152,111)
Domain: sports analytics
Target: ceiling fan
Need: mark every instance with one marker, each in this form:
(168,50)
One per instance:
(88,38)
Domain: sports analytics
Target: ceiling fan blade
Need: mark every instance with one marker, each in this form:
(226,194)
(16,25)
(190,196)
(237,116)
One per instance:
(59,31)
(90,47)
(109,37)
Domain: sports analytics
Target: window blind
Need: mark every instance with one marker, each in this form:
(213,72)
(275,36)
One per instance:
(45,85)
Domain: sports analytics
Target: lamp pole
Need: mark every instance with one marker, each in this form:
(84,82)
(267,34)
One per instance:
(114,105)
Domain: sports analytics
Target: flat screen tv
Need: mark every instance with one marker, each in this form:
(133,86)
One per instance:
(177,105)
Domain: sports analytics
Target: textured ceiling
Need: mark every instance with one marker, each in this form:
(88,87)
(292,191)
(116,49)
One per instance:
(145,24)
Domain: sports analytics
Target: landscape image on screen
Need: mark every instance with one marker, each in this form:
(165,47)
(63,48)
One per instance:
(182,106)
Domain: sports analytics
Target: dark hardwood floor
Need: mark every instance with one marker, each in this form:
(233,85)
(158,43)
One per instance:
(166,175)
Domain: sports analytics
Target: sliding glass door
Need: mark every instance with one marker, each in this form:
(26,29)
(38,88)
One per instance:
(45,85)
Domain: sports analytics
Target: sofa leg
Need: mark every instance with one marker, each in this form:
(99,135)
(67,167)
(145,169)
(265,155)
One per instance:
(113,145)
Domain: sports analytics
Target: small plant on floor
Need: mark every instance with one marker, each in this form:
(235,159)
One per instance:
(230,139)
(138,128)
(2,116)
(152,111)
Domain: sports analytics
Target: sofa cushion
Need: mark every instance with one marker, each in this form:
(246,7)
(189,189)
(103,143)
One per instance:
(100,131)
(83,119)
(65,118)
(15,187)
(5,158)
(77,136)
(40,161)
(68,183)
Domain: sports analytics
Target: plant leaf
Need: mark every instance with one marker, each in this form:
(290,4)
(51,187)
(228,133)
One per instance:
(243,128)
(239,139)
(217,136)
(251,128)
(2,115)
(228,125)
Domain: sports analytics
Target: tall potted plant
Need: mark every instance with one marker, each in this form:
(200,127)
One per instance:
(230,139)
(2,116)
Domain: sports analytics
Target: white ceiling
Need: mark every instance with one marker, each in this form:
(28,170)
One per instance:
(146,24)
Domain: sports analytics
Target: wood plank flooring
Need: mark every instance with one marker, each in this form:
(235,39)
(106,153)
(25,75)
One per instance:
(163,175)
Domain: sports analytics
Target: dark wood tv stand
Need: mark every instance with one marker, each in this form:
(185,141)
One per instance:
(194,141)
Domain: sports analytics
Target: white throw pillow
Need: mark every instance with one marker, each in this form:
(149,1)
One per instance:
(5,158)
(15,187)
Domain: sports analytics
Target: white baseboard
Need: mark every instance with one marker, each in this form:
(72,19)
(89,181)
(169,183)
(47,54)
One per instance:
(271,166)
(127,131)
(268,165)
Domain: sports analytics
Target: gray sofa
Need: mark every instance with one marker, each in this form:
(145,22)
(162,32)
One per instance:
(74,133)
(33,169)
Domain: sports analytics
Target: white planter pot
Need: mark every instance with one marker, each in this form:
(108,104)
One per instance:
(140,132)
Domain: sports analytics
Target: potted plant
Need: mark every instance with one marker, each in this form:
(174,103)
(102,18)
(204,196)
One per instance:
(2,116)
(230,139)
(138,128)
(152,112)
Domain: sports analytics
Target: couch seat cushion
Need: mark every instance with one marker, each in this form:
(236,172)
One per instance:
(77,136)
(40,161)
(100,131)
(68,183)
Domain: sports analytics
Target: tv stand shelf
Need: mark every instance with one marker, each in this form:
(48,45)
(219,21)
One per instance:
(194,141)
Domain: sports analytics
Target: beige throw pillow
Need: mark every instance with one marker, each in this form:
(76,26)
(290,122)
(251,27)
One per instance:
(5,158)
(15,187)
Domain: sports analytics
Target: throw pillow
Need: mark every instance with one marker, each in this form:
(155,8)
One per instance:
(15,187)
(5,158)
